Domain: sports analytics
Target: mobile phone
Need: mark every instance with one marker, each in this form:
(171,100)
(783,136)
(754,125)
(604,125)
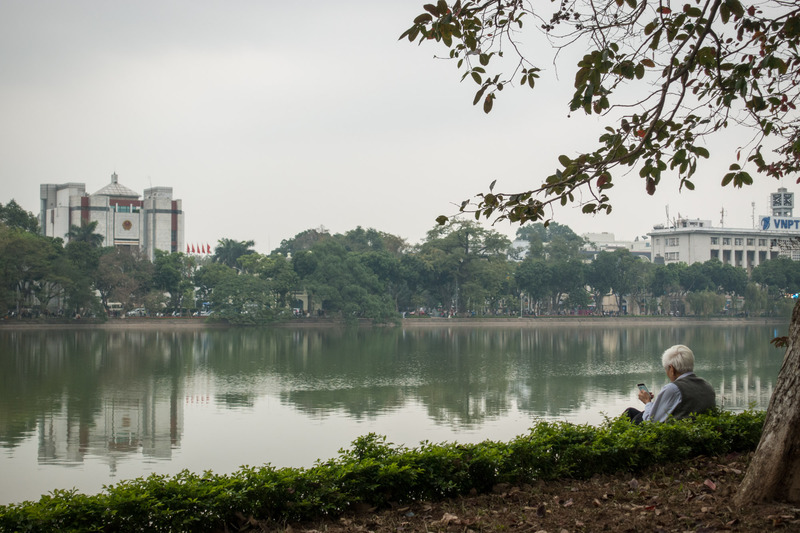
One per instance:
(643,387)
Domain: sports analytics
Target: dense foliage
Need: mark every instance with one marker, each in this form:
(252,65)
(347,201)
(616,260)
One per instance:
(375,473)
(459,269)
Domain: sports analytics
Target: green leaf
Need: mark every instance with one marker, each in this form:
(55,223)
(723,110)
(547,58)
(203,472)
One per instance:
(564,160)
(479,95)
(487,103)
(727,178)
(692,11)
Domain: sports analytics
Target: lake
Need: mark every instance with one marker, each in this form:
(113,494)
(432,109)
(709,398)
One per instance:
(85,408)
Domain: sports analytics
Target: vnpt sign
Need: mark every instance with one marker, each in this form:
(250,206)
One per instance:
(780,223)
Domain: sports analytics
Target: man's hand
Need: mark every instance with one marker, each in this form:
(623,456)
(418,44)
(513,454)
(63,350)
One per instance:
(645,396)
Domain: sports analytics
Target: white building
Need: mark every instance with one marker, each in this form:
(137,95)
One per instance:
(690,241)
(153,223)
(606,242)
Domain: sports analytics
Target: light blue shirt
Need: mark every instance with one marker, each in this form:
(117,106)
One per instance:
(667,400)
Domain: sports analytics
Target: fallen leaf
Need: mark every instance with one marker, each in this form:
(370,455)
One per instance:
(710,484)
(596,502)
(568,503)
(448,518)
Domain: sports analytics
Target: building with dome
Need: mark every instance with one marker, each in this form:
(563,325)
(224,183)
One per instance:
(152,223)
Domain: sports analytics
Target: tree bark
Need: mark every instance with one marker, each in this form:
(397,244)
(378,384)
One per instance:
(774,472)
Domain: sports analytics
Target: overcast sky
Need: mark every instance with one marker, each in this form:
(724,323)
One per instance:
(268,118)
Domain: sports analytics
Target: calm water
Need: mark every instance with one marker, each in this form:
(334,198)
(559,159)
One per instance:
(88,408)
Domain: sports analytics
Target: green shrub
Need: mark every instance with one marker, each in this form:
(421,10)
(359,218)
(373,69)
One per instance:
(375,473)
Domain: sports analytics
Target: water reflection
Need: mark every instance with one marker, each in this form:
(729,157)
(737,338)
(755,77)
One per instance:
(103,396)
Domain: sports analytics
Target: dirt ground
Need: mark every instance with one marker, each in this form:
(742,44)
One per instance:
(690,496)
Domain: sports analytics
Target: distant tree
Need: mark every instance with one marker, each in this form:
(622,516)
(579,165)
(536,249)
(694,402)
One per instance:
(780,276)
(302,242)
(452,254)
(13,216)
(83,249)
(555,241)
(228,251)
(533,277)
(705,302)
(33,270)
(124,276)
(277,271)
(755,299)
(342,282)
(173,273)
(85,233)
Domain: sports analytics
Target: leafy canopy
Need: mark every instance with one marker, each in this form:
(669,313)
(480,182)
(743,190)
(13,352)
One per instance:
(688,70)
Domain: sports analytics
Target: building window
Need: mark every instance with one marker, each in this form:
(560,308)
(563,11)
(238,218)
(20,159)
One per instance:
(673,241)
(672,256)
(751,242)
(726,241)
(762,242)
(714,240)
(738,241)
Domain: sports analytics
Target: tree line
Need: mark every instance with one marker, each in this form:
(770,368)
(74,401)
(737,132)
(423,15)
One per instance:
(460,268)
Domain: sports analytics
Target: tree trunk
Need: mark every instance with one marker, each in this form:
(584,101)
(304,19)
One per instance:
(774,473)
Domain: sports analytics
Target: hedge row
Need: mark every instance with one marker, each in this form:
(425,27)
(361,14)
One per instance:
(376,473)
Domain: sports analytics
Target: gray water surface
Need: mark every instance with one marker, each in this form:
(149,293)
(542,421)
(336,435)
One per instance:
(84,409)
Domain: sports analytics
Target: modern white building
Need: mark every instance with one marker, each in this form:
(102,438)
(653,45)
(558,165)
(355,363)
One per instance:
(689,241)
(152,223)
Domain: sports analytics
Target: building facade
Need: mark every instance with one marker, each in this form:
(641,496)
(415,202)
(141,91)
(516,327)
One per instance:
(152,223)
(690,241)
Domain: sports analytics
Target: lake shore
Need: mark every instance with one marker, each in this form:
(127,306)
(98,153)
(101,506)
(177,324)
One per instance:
(201,323)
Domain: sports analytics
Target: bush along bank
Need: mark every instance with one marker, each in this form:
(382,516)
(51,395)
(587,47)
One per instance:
(376,473)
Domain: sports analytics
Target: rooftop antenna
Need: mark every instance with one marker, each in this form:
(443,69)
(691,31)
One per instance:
(722,217)
(753,213)
(666,207)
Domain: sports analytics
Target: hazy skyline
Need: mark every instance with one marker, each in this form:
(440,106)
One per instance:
(268,118)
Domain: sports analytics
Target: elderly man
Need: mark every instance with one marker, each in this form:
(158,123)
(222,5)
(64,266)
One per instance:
(686,393)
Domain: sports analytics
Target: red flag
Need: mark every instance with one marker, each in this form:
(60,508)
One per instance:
(193,248)
(203,248)
(208,247)
(187,248)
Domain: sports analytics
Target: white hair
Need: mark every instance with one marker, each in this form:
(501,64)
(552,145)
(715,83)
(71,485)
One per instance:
(680,357)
